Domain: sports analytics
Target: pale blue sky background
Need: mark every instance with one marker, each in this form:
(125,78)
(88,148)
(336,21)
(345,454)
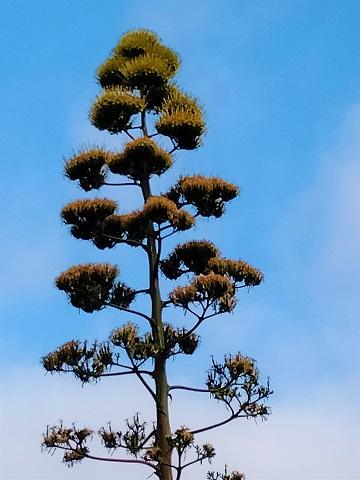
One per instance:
(279,81)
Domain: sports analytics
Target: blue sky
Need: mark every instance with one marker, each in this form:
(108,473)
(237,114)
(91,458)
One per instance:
(279,81)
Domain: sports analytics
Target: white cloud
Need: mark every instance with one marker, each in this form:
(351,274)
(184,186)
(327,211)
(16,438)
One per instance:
(313,438)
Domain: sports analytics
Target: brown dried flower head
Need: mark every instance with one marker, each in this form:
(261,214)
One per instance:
(86,216)
(191,256)
(130,226)
(113,109)
(87,166)
(159,210)
(182,438)
(239,270)
(207,194)
(141,157)
(88,286)
(212,287)
(238,365)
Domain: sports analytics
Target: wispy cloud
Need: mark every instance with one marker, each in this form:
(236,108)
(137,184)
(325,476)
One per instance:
(313,438)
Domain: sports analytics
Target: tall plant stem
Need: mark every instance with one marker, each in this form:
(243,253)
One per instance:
(163,430)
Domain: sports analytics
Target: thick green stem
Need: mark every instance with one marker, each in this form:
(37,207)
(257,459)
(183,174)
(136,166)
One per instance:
(163,429)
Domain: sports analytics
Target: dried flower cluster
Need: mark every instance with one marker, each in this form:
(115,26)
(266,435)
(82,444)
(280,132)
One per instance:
(213,290)
(87,166)
(140,158)
(235,475)
(86,216)
(161,210)
(191,256)
(90,286)
(207,194)
(238,270)
(85,362)
(113,109)
(72,440)
(138,347)
(182,120)
(235,382)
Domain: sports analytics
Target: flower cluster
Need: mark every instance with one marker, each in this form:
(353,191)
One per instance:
(181,118)
(161,210)
(86,218)
(140,158)
(238,270)
(139,61)
(207,194)
(72,440)
(235,475)
(88,167)
(113,109)
(132,439)
(211,289)
(85,362)
(138,347)
(192,256)
(179,340)
(92,285)
(236,381)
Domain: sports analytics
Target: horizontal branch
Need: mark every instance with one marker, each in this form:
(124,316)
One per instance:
(201,390)
(130,372)
(122,460)
(233,416)
(111,459)
(128,310)
(124,184)
(216,425)
(132,243)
